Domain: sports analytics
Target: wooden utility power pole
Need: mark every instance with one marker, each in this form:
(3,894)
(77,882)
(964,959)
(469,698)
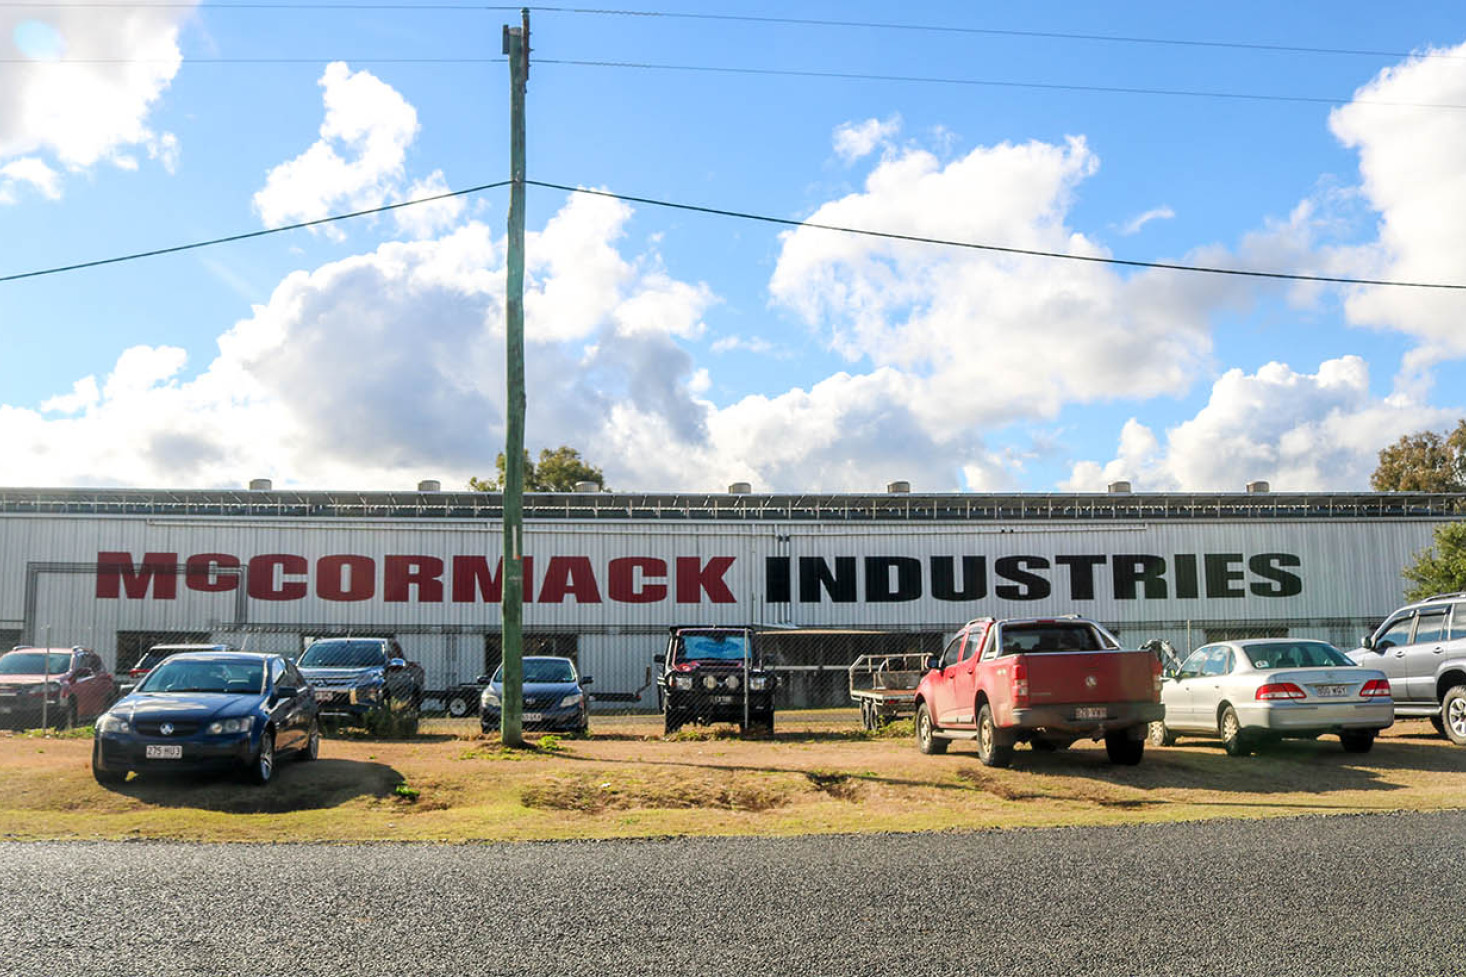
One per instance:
(511,726)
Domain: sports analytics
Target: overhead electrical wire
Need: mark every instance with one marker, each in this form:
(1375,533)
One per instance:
(249,234)
(1000,249)
(761,218)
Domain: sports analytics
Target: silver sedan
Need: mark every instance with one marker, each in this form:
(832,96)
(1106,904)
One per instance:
(1250,692)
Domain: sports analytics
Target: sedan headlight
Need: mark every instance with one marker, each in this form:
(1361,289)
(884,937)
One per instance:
(243,725)
(571,700)
(683,682)
(49,688)
(758,683)
(489,698)
(108,723)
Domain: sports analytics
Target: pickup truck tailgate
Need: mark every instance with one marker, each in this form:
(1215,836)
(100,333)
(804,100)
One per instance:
(1068,677)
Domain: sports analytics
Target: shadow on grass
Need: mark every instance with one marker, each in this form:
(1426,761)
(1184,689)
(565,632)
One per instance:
(295,787)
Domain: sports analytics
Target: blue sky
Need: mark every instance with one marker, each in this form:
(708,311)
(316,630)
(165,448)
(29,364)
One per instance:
(683,351)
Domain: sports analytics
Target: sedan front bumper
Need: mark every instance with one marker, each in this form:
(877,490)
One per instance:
(122,751)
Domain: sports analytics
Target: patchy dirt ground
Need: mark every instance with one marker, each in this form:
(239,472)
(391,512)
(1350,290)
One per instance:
(821,773)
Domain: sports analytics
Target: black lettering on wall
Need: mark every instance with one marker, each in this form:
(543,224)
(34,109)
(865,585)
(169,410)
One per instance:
(815,575)
(1081,574)
(1223,571)
(1139,568)
(1269,566)
(1184,567)
(974,578)
(879,588)
(776,579)
(1015,568)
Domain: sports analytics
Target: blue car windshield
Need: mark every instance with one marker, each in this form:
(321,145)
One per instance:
(344,653)
(714,646)
(34,663)
(206,675)
(557,672)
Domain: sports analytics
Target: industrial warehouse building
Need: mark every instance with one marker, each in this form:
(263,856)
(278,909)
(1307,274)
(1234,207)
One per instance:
(828,576)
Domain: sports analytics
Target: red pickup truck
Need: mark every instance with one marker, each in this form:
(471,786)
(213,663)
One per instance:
(1044,681)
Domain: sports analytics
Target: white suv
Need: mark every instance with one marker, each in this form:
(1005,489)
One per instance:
(1422,648)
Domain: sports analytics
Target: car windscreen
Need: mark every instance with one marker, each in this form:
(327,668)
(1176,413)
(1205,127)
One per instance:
(1025,639)
(242,677)
(343,654)
(152,658)
(35,663)
(713,646)
(1297,654)
(542,672)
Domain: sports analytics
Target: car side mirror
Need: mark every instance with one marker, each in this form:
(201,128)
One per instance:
(660,659)
(1367,641)
(483,680)
(286,691)
(587,680)
(1383,646)
(82,673)
(396,665)
(933,663)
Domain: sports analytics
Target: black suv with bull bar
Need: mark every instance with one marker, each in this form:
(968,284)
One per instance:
(715,674)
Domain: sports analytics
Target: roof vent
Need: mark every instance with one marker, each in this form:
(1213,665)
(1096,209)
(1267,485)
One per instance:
(430,485)
(587,486)
(898,487)
(1121,487)
(260,485)
(740,488)
(1258,487)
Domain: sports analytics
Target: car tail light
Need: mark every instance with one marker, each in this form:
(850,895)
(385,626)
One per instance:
(1156,675)
(1376,688)
(1020,684)
(1281,690)
(137,673)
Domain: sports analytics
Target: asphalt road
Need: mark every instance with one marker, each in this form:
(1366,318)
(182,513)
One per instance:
(1330,896)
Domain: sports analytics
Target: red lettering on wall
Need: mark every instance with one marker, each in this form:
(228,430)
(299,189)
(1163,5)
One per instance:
(569,576)
(116,574)
(693,580)
(267,577)
(473,581)
(346,577)
(202,573)
(405,572)
(624,586)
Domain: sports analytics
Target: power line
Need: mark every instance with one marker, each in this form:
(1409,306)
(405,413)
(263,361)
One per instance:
(1029,252)
(997,83)
(249,234)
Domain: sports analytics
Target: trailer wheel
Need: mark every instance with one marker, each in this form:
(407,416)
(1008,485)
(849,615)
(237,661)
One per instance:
(458,705)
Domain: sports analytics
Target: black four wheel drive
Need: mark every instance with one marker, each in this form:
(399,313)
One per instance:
(715,675)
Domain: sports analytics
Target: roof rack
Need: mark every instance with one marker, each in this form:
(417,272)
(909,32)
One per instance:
(1450,596)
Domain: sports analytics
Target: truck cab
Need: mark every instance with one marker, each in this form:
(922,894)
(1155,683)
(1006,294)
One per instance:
(715,674)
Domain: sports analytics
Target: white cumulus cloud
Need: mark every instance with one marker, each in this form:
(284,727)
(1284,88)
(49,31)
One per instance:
(856,139)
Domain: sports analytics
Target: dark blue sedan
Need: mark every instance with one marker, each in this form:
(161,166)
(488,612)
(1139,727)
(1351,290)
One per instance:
(209,710)
(554,697)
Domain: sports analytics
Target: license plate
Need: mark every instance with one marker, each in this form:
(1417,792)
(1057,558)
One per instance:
(532,717)
(166,752)
(1090,712)
(724,700)
(324,695)
(1331,691)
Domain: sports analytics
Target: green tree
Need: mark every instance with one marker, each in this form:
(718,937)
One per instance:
(1440,569)
(1423,462)
(557,471)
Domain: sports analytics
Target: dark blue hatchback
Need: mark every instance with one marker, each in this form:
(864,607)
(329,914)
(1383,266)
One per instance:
(209,710)
(554,697)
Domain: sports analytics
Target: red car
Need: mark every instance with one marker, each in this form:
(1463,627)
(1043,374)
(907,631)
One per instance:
(1043,681)
(71,683)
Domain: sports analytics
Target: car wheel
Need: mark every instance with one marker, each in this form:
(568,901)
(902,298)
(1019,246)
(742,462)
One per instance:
(312,744)
(927,740)
(1357,741)
(458,706)
(992,749)
(671,722)
(107,778)
(1453,714)
(1159,734)
(1231,732)
(68,715)
(765,721)
(262,768)
(1124,749)
(866,722)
